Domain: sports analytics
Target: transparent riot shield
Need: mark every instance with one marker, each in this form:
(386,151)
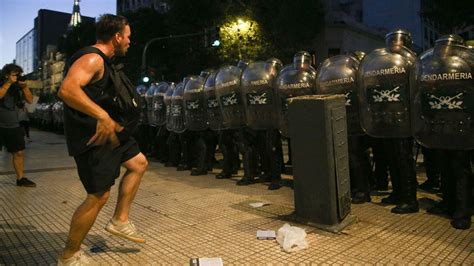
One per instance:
(296,80)
(228,92)
(384,94)
(141,90)
(442,109)
(195,111)
(177,119)
(213,111)
(159,107)
(167,100)
(149,105)
(258,94)
(338,75)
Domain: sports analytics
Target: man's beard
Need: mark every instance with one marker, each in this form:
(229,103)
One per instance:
(121,51)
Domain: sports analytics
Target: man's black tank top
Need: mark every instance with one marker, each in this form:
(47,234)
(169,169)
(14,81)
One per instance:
(79,127)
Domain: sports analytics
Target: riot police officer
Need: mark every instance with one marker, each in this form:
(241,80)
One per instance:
(258,95)
(338,75)
(384,99)
(442,119)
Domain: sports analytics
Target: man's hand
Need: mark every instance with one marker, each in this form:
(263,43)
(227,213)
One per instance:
(22,84)
(105,133)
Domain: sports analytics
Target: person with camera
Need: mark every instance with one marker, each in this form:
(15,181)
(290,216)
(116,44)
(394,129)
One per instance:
(13,90)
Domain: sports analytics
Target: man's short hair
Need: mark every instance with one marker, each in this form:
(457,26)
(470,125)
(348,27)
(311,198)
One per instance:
(8,69)
(108,25)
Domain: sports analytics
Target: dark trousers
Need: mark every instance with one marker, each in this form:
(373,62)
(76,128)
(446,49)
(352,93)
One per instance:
(380,175)
(247,143)
(402,168)
(227,144)
(271,153)
(161,148)
(204,148)
(432,161)
(174,149)
(186,139)
(359,163)
(457,178)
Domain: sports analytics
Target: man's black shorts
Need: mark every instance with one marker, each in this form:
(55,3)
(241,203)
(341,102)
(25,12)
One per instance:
(13,139)
(100,166)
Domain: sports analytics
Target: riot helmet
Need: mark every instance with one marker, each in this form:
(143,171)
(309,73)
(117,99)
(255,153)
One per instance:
(302,59)
(399,37)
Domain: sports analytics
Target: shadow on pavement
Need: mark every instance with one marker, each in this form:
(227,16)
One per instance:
(25,244)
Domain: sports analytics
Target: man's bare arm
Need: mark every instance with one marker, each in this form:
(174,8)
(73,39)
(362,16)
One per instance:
(26,91)
(80,74)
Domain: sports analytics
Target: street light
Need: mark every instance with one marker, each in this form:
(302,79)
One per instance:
(239,27)
(216,43)
(243,25)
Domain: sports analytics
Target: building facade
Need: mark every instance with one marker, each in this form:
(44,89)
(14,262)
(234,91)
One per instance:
(53,71)
(124,6)
(25,52)
(49,26)
(344,32)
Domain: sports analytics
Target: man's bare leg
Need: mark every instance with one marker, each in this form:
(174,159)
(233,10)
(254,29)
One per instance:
(18,163)
(82,221)
(136,167)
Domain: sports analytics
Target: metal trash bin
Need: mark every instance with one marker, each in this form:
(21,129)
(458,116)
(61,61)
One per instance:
(320,161)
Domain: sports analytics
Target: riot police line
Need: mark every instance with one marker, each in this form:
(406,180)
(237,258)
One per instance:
(394,98)
(48,114)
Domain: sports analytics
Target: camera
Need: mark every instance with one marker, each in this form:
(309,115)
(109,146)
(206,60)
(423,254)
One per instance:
(21,78)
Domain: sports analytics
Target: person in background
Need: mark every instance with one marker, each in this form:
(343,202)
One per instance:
(24,119)
(12,92)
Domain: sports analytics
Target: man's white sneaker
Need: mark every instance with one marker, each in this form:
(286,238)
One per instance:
(126,230)
(78,259)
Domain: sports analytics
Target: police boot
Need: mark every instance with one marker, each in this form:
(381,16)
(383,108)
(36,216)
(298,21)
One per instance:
(430,184)
(409,203)
(248,178)
(439,208)
(227,164)
(404,208)
(360,197)
(201,151)
(198,172)
(245,181)
(274,185)
(461,223)
(223,175)
(183,167)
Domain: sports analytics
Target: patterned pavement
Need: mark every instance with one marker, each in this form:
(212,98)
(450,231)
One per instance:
(185,217)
